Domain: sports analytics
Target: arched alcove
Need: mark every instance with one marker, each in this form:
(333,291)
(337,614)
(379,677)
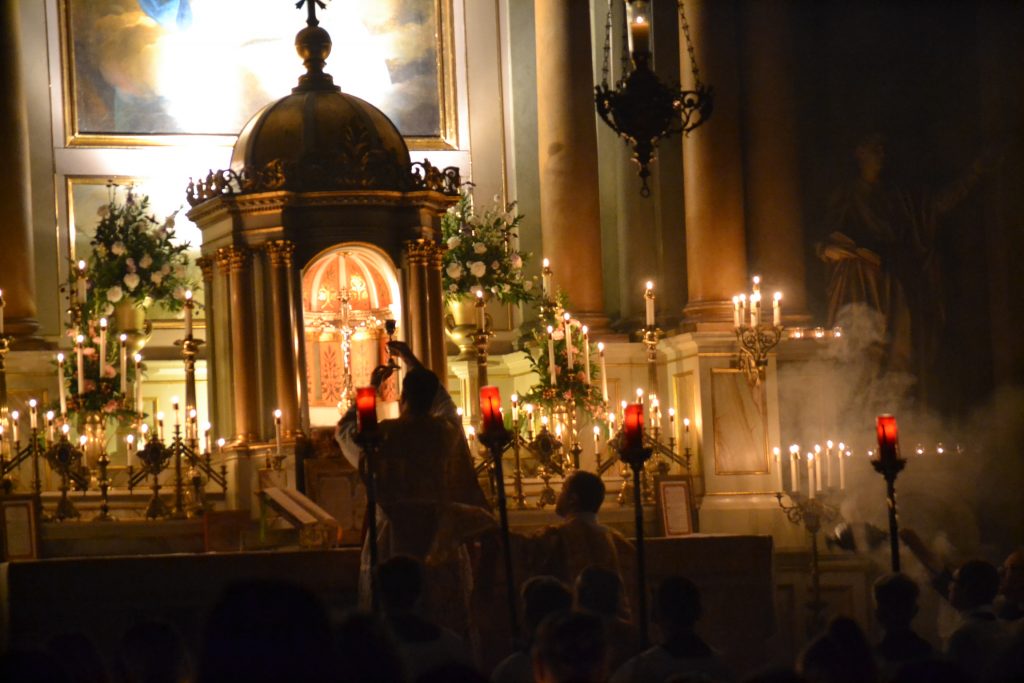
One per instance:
(348,292)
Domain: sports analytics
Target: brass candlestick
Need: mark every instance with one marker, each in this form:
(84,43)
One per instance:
(66,460)
(154,456)
(811,512)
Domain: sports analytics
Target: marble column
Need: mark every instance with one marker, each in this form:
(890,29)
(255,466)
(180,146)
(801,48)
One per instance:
(567,150)
(434,311)
(206,264)
(282,325)
(244,374)
(773,202)
(17,264)
(716,260)
(414,295)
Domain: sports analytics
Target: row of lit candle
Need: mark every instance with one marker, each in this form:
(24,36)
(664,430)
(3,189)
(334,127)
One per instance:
(741,302)
(814,460)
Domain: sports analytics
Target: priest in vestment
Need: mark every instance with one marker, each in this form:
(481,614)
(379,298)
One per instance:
(429,500)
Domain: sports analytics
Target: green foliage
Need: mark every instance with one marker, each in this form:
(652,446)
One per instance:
(481,255)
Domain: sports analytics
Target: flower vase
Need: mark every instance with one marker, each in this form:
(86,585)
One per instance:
(461,323)
(131,319)
(93,426)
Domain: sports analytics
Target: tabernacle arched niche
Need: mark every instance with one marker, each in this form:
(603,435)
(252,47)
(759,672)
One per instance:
(349,293)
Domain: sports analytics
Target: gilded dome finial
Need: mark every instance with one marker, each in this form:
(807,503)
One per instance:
(314,45)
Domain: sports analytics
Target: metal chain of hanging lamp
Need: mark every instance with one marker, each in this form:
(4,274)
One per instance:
(640,108)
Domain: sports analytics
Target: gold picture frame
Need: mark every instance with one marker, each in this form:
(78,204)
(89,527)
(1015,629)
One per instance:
(19,528)
(102,73)
(84,195)
(674,503)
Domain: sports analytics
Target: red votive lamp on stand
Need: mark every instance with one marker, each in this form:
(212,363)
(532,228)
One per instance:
(889,464)
(368,439)
(633,453)
(496,438)
(366,409)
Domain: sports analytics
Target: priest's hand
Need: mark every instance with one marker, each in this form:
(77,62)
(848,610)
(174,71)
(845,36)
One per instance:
(380,374)
(402,350)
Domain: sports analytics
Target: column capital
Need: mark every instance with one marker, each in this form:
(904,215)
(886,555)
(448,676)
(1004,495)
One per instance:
(280,252)
(424,251)
(234,258)
(206,264)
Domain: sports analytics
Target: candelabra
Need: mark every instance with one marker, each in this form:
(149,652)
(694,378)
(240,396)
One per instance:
(34,450)
(756,338)
(811,512)
(183,450)
(640,108)
(755,344)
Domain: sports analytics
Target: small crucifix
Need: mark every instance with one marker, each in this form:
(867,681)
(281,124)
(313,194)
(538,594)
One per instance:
(311,6)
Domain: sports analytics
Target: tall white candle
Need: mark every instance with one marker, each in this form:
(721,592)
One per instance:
(551,354)
(686,433)
(33,414)
(103,346)
(15,416)
(586,355)
(817,466)
(569,350)
(755,309)
(124,363)
(777,309)
(80,282)
(80,351)
(777,453)
(843,455)
(138,383)
(794,473)
(277,430)
(61,389)
(828,463)
(811,468)
(481,321)
(206,436)
(188,314)
(604,372)
(649,303)
(545,279)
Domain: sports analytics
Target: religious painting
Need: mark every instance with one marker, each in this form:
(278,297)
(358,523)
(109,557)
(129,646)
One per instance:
(142,72)
(740,428)
(88,197)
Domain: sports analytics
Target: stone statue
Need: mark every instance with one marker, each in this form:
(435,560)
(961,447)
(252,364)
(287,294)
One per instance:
(881,252)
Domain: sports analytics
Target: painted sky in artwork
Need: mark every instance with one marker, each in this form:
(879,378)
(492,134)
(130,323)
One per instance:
(147,67)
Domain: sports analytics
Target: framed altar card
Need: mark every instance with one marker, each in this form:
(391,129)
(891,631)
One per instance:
(19,528)
(672,502)
(149,72)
